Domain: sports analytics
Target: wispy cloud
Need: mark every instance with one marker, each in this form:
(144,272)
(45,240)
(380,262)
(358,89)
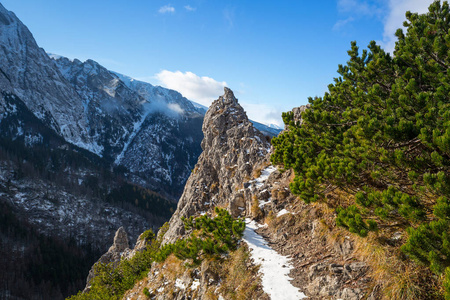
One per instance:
(352,10)
(391,14)
(189,8)
(341,23)
(358,7)
(201,89)
(228,15)
(167,9)
(396,17)
(262,113)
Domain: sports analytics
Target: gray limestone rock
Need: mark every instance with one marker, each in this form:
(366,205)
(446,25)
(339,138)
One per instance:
(232,149)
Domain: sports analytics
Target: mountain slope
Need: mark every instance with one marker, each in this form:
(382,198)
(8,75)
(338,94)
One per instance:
(28,72)
(152,131)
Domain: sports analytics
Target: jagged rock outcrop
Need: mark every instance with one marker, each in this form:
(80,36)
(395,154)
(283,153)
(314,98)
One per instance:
(297,111)
(119,248)
(232,149)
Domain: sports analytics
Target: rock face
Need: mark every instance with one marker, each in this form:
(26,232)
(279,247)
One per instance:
(152,131)
(27,71)
(232,149)
(114,254)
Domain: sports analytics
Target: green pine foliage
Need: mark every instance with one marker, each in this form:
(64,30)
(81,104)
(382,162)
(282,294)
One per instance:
(210,237)
(381,134)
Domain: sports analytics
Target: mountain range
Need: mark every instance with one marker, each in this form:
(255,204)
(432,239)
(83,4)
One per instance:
(83,151)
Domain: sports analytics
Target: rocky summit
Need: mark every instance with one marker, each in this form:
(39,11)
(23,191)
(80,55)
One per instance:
(232,149)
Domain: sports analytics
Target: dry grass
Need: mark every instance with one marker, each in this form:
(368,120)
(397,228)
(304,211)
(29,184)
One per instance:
(398,277)
(255,209)
(395,276)
(270,219)
(279,193)
(174,267)
(213,187)
(240,277)
(257,172)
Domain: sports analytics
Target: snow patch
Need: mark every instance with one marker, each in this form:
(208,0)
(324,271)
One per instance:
(179,284)
(195,284)
(283,212)
(274,269)
(262,203)
(259,182)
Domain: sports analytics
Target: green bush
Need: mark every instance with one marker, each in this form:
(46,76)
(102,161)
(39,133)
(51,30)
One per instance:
(382,134)
(147,292)
(148,236)
(210,237)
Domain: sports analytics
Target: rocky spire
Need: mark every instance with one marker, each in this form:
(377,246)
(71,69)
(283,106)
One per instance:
(232,148)
(120,241)
(119,248)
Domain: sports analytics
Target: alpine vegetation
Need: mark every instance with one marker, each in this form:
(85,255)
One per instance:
(379,142)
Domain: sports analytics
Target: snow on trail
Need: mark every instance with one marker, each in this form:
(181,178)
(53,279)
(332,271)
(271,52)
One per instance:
(274,268)
(259,182)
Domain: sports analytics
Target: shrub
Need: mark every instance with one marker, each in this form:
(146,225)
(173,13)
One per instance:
(209,238)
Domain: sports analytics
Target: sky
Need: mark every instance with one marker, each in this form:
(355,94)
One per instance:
(272,54)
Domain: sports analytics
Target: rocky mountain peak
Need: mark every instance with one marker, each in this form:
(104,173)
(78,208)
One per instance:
(228,97)
(225,112)
(232,148)
(120,241)
(118,250)
(4,16)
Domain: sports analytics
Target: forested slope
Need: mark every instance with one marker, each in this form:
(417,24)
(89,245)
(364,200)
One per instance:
(376,146)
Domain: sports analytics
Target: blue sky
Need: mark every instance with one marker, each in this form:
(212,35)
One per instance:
(273,54)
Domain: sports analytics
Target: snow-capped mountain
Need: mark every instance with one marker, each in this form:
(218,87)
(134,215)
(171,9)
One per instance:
(154,132)
(125,121)
(28,72)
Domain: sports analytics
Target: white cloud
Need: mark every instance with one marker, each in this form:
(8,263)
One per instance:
(175,107)
(358,7)
(263,113)
(396,16)
(189,8)
(167,9)
(353,10)
(200,89)
(390,12)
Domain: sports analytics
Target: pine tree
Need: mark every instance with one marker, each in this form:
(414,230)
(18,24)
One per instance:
(381,134)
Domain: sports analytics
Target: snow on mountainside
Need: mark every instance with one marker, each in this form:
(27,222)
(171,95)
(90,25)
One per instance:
(110,108)
(100,111)
(172,99)
(27,71)
(154,132)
